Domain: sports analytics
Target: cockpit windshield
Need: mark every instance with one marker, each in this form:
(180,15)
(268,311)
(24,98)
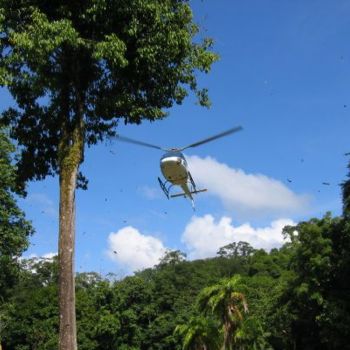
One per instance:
(173,154)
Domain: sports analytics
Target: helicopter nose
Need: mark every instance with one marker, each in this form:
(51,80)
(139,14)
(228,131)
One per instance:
(170,162)
(173,169)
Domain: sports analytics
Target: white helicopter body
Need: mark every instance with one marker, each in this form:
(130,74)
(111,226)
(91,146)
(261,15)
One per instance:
(174,168)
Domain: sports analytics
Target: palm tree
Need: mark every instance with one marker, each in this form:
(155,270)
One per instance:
(199,334)
(227,303)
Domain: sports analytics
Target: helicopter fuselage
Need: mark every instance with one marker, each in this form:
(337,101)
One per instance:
(174,168)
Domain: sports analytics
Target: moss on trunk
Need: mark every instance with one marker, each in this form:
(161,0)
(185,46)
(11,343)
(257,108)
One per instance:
(71,151)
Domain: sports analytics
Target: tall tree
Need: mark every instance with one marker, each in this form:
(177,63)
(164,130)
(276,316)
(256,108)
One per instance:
(227,303)
(172,257)
(14,228)
(234,250)
(318,296)
(312,264)
(75,68)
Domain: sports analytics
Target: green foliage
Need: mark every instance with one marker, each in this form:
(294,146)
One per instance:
(32,311)
(227,304)
(75,68)
(223,299)
(91,63)
(274,264)
(199,333)
(172,257)
(14,229)
(234,250)
(297,295)
(318,296)
(251,335)
(346,194)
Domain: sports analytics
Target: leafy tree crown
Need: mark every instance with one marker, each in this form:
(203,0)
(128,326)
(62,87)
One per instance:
(93,62)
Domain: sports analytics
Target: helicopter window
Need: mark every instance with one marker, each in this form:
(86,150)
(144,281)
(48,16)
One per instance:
(173,154)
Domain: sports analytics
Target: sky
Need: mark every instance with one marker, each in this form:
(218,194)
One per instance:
(284,76)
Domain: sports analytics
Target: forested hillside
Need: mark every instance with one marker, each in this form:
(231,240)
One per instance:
(296,297)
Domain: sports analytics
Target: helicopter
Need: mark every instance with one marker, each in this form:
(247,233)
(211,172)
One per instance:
(174,167)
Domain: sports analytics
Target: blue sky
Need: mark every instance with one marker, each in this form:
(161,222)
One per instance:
(284,75)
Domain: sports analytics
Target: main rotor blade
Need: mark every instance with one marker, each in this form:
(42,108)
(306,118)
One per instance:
(212,138)
(140,143)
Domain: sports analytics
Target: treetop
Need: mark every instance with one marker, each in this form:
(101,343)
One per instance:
(97,61)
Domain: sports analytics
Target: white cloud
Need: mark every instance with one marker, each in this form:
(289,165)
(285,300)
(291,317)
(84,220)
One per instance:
(203,236)
(31,259)
(133,249)
(248,194)
(46,256)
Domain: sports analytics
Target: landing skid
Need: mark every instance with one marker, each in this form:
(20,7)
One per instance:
(184,194)
(193,183)
(164,187)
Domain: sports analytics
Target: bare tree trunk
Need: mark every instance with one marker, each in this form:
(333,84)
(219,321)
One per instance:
(71,150)
(67,339)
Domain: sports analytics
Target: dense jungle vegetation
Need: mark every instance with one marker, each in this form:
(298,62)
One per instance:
(295,297)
